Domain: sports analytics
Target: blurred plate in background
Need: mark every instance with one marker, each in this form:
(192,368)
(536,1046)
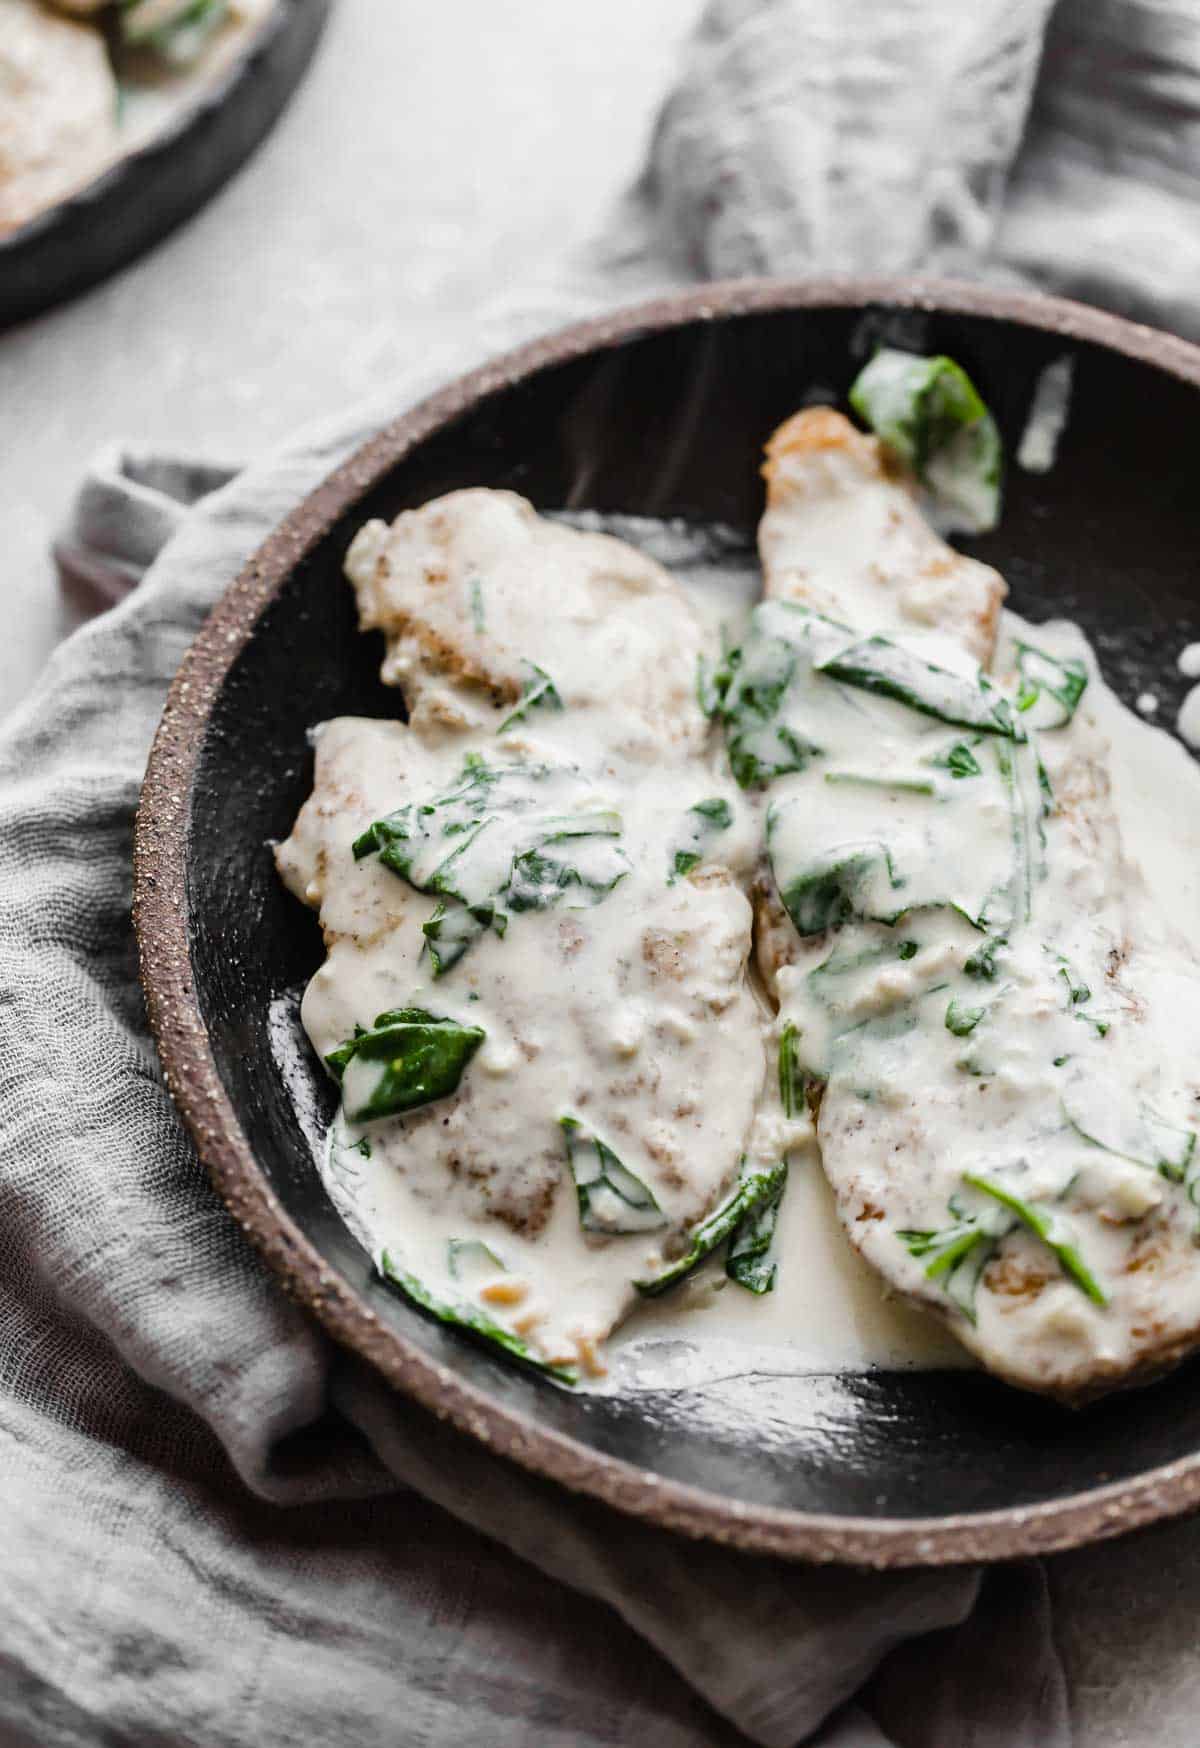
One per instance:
(169,173)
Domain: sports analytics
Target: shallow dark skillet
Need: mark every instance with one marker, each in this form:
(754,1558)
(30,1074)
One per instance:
(135,203)
(663,410)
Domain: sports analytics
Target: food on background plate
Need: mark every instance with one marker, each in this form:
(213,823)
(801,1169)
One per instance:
(622,921)
(58,109)
(84,81)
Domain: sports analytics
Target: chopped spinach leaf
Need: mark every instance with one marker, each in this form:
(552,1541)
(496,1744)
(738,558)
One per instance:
(1053,1230)
(752,1189)
(760,744)
(469,1318)
(1049,690)
(878,665)
(928,411)
(959,1253)
(406,1059)
(403,840)
(704,821)
(1139,1135)
(507,837)
(961,1020)
(452,929)
(478,616)
(870,780)
(792,1079)
(176,29)
(1191,1184)
(846,883)
(959,760)
(1078,994)
(1012,901)
(907,950)
(541,876)
(711,683)
(538,693)
(337,1059)
(982,962)
(1047,793)
(717,811)
(713,678)
(1077,991)
(748,1261)
(611,1199)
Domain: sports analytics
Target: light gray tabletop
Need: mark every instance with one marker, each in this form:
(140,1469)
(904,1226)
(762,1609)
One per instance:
(434,154)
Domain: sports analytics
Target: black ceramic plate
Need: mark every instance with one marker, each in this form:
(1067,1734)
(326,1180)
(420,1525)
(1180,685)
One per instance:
(136,202)
(664,411)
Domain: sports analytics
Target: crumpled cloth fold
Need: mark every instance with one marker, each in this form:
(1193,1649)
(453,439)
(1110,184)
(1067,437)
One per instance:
(144,1252)
(218,1529)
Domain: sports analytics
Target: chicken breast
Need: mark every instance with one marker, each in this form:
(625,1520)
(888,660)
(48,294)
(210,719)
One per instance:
(482,603)
(976,992)
(843,533)
(560,876)
(58,109)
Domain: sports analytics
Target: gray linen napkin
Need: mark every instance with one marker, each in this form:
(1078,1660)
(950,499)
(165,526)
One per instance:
(199,1501)
(842,134)
(111,1210)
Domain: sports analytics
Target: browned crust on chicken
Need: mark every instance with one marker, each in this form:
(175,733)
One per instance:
(813,429)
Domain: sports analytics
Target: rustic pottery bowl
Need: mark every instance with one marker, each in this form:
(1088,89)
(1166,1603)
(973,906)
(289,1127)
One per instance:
(143,196)
(661,410)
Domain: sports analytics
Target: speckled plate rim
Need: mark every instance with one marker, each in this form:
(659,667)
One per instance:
(160,919)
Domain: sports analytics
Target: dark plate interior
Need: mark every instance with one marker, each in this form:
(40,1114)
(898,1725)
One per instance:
(137,202)
(671,422)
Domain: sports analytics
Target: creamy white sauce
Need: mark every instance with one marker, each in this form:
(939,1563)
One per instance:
(829,1311)
(1147,704)
(1187,723)
(1189,661)
(1047,419)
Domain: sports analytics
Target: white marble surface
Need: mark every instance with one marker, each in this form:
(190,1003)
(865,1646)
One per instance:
(435,155)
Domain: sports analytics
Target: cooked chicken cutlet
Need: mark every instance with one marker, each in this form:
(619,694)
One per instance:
(58,109)
(483,603)
(974,987)
(560,866)
(843,532)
